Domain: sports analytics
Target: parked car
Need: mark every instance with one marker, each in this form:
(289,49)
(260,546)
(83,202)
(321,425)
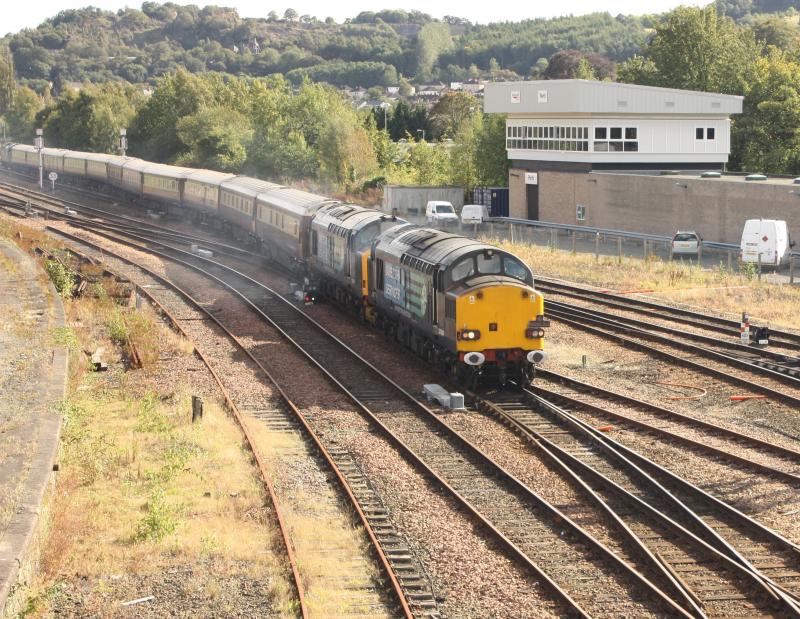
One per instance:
(474,214)
(686,243)
(767,238)
(441,212)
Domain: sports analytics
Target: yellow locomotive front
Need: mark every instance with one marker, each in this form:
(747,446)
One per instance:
(500,330)
(498,318)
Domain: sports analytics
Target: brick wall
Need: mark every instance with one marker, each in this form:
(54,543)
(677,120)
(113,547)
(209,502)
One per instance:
(715,208)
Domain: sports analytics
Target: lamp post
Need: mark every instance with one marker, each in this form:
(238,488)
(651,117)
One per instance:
(385,107)
(123,141)
(38,144)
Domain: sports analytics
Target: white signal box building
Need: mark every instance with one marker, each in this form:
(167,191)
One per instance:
(620,125)
(557,129)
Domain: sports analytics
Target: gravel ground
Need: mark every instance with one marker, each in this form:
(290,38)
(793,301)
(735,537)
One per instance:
(204,591)
(493,587)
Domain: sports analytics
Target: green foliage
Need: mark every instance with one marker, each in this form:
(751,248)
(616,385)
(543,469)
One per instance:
(452,111)
(159,521)
(63,279)
(215,137)
(117,326)
(364,74)
(432,40)
(89,119)
(21,116)
(65,336)
(696,49)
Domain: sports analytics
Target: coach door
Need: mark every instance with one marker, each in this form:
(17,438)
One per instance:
(532,194)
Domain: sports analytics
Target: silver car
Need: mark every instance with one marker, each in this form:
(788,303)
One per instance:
(686,243)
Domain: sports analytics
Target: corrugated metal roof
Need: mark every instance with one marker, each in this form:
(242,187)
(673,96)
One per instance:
(593,97)
(92,156)
(247,186)
(27,148)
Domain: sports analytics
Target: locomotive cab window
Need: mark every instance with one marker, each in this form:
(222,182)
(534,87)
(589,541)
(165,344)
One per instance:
(490,264)
(514,268)
(463,269)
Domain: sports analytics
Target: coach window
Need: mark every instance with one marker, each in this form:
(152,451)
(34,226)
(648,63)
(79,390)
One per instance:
(710,133)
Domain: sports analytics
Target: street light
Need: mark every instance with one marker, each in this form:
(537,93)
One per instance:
(423,133)
(38,144)
(385,107)
(123,141)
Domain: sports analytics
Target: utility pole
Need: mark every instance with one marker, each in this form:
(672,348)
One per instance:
(38,144)
(123,141)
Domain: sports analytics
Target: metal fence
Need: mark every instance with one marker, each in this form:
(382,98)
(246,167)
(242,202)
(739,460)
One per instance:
(606,242)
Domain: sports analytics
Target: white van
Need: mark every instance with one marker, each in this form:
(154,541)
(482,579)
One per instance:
(474,214)
(440,211)
(768,238)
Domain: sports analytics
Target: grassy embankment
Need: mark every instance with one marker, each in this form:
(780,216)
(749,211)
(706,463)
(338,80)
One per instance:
(717,289)
(142,492)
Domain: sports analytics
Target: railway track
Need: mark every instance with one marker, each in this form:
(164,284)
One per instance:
(741,577)
(658,311)
(776,366)
(648,490)
(733,370)
(533,531)
(350,590)
(725,444)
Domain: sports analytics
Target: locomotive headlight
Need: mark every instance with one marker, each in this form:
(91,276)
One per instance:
(470,335)
(534,333)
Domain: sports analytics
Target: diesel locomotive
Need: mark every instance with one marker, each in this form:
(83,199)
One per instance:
(466,306)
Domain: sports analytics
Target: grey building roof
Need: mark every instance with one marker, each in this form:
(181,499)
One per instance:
(602,98)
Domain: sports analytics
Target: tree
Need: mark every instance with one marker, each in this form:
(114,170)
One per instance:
(290,15)
(345,151)
(90,119)
(696,49)
(272,16)
(777,32)
(215,137)
(765,137)
(406,120)
(491,158)
(7,82)
(153,134)
(21,116)
(451,111)
(432,40)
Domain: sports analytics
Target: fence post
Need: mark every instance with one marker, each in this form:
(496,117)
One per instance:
(791,269)
(554,238)
(597,247)
(511,227)
(759,266)
(645,249)
(491,229)
(730,261)
(670,251)
(699,253)
(574,241)
(619,250)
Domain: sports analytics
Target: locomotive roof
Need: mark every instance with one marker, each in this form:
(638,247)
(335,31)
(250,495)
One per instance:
(349,216)
(247,186)
(210,177)
(292,200)
(428,244)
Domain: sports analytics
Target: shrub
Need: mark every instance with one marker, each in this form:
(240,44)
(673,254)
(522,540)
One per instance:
(63,279)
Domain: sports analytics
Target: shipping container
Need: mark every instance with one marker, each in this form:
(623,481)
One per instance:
(495,198)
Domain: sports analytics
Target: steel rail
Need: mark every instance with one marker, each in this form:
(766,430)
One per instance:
(752,441)
(430,417)
(234,409)
(559,310)
(658,310)
(691,489)
(575,467)
(678,360)
(316,441)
